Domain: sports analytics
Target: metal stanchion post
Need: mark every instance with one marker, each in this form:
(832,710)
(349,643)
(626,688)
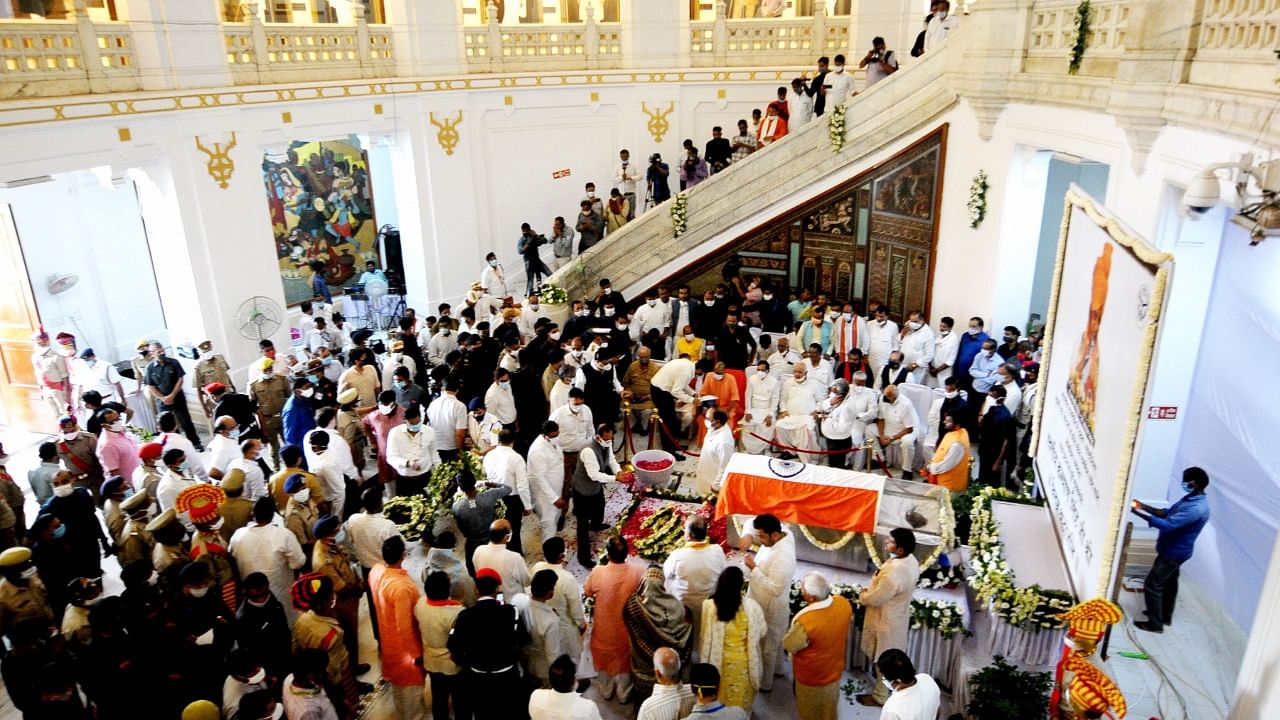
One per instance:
(871,444)
(626,431)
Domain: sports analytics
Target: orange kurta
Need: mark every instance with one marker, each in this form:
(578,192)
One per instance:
(394,596)
(611,585)
(823,660)
(727,398)
(957,478)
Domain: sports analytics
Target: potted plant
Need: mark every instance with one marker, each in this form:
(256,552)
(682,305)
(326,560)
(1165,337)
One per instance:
(555,301)
(1001,691)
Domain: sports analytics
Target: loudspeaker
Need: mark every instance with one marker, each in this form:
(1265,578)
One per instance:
(392,256)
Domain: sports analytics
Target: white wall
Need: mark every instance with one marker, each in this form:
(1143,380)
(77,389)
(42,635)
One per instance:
(73,224)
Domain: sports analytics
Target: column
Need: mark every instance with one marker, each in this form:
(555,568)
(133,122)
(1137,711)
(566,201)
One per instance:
(655,34)
(897,21)
(178,45)
(427,36)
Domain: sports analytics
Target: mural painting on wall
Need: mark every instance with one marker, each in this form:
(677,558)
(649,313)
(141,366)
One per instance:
(321,204)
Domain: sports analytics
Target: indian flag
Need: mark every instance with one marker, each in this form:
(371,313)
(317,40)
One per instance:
(797,492)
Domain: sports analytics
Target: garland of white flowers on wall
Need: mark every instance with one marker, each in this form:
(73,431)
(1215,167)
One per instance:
(680,213)
(835,126)
(1032,608)
(978,199)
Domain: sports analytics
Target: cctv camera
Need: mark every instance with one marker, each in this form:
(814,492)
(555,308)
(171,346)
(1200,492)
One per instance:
(1202,192)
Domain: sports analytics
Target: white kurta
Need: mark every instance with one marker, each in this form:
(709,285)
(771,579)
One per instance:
(781,364)
(945,347)
(882,339)
(761,413)
(888,604)
(546,479)
(898,416)
(797,427)
(692,570)
(567,602)
(917,349)
(717,447)
(509,564)
(272,551)
(770,587)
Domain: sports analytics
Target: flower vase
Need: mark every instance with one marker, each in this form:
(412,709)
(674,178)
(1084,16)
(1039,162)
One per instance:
(557,313)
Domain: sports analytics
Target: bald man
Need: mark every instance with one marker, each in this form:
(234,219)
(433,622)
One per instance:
(509,564)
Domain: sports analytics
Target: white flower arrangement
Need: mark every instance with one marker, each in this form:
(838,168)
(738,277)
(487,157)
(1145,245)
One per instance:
(552,294)
(1032,608)
(680,213)
(940,615)
(978,199)
(835,126)
(827,546)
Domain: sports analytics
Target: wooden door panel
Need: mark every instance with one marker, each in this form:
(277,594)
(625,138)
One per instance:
(19,394)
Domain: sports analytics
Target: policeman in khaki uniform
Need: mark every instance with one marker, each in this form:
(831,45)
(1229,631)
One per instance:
(270,393)
(330,558)
(236,510)
(317,629)
(210,369)
(22,594)
(168,556)
(134,540)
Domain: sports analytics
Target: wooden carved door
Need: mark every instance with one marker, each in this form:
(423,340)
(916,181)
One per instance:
(19,394)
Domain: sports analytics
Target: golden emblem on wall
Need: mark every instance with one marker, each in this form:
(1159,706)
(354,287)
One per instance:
(220,165)
(658,124)
(447,132)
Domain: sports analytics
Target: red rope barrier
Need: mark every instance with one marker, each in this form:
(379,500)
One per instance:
(659,423)
(788,448)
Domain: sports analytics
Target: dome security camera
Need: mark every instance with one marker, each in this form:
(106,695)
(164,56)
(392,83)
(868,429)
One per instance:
(1202,192)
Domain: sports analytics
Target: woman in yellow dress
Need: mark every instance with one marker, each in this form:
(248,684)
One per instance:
(732,629)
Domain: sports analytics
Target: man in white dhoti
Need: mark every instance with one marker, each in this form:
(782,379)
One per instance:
(888,604)
(761,409)
(883,339)
(917,347)
(546,477)
(795,414)
(837,418)
(717,447)
(897,427)
(866,408)
(946,345)
(772,570)
(692,570)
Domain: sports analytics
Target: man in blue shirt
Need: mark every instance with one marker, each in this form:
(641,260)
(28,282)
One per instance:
(298,413)
(1179,527)
(970,346)
(984,371)
(371,272)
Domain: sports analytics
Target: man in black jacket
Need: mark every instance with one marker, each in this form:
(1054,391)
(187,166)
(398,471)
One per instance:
(485,642)
(815,87)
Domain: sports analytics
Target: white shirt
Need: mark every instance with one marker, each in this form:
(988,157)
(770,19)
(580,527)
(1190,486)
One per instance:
(876,73)
(625,176)
(367,532)
(918,702)
(222,450)
(866,407)
(551,705)
(404,448)
(390,362)
(657,317)
(577,429)
(674,378)
(528,317)
(102,377)
(799,108)
(447,416)
(667,701)
(955,455)
(882,340)
(693,569)
(781,363)
(325,468)
(797,401)
(819,378)
(178,441)
(509,564)
(255,482)
(494,281)
(167,490)
(592,466)
(762,396)
(500,403)
(504,466)
(841,83)
(1012,400)
(559,395)
(271,550)
(771,579)
(306,704)
(840,419)
(717,447)
(938,29)
(580,379)
(338,455)
(317,339)
(945,347)
(917,348)
(898,416)
(848,334)
(545,469)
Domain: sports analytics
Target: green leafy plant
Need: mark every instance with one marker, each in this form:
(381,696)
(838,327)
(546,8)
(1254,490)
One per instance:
(1081,37)
(1001,691)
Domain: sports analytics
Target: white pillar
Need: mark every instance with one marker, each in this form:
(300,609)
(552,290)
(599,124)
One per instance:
(655,33)
(427,36)
(1257,693)
(178,45)
(897,21)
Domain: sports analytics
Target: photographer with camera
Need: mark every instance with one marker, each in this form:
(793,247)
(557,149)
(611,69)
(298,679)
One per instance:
(656,180)
(879,62)
(534,268)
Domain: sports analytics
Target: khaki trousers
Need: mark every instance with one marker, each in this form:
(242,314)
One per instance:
(817,702)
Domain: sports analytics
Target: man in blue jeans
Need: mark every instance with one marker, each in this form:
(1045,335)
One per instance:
(1179,527)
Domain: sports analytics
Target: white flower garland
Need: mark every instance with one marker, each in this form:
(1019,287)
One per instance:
(940,615)
(978,199)
(827,546)
(946,518)
(835,127)
(680,213)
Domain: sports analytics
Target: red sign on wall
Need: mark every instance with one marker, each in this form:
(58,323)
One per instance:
(1162,412)
(560,174)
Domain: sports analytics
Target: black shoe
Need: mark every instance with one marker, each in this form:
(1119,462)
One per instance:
(1148,626)
(680,458)
(907,474)
(364,688)
(583,686)
(599,527)
(588,563)
(363,668)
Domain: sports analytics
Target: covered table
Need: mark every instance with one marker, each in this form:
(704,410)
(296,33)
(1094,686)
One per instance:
(1031,549)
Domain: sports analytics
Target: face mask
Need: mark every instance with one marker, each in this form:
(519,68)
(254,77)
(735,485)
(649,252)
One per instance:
(233,433)
(505,384)
(950,394)
(258,603)
(69,436)
(689,337)
(185,467)
(914,325)
(28,573)
(493,263)
(64,490)
(1188,486)
(313,379)
(833,397)
(768,297)
(942,15)
(973,332)
(888,684)
(117,426)
(279,712)
(606,367)
(386,409)
(327,361)
(709,303)
(257,677)
(608,312)
(604,443)
(555,335)
(414,427)
(644,362)
(893,364)
(62,529)
(575,409)
(581,313)
(309,392)
(91,363)
(218,524)
(199,593)
(622,326)
(577,354)
(591,194)
(302,495)
(206,638)
(400,384)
